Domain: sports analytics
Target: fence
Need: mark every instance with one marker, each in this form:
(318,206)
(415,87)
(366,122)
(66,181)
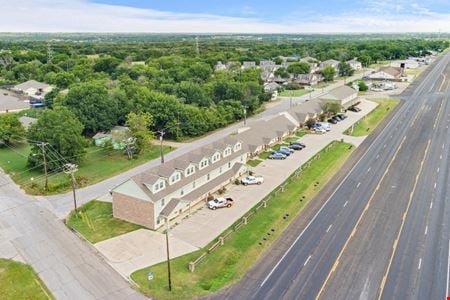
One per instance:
(262,204)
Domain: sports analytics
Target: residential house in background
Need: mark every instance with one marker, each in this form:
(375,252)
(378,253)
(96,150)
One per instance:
(220,66)
(388,73)
(406,64)
(330,62)
(356,65)
(35,90)
(271,86)
(344,95)
(307,79)
(248,65)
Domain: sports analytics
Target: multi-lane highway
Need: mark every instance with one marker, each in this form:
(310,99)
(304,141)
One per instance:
(383,231)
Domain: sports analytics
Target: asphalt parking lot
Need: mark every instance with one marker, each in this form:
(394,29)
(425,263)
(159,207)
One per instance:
(10,102)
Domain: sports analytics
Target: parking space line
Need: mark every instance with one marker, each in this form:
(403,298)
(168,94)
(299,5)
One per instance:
(345,204)
(307,260)
(329,227)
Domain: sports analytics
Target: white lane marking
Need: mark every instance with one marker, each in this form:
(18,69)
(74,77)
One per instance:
(329,227)
(448,266)
(435,185)
(345,204)
(368,170)
(426,230)
(329,198)
(440,156)
(420,264)
(431,205)
(359,183)
(307,260)
(378,155)
(438,170)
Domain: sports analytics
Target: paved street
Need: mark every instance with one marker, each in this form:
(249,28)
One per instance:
(381,231)
(61,205)
(69,267)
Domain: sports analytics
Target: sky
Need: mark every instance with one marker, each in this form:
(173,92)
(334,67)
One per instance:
(229,16)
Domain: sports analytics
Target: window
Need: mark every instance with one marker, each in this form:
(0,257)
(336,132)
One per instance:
(208,177)
(158,220)
(176,177)
(182,192)
(193,185)
(189,170)
(227,151)
(237,147)
(216,157)
(162,202)
(229,165)
(203,164)
(220,170)
(161,185)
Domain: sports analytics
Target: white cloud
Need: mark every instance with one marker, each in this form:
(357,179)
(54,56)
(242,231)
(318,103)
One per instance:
(85,16)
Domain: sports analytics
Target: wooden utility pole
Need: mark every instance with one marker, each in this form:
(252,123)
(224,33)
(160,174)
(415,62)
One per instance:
(71,169)
(161,132)
(245,115)
(42,147)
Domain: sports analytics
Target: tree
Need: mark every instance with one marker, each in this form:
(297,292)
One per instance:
(328,73)
(299,68)
(64,79)
(139,125)
(106,64)
(282,72)
(345,69)
(10,128)
(332,108)
(92,105)
(362,86)
(62,131)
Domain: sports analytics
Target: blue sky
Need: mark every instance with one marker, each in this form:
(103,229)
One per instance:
(287,16)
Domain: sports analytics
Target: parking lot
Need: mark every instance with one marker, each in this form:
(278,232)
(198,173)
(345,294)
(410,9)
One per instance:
(10,102)
(204,225)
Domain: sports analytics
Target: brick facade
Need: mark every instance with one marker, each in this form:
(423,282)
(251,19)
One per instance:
(133,210)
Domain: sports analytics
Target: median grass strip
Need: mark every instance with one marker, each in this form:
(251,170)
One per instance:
(367,124)
(19,281)
(96,223)
(98,164)
(294,93)
(229,262)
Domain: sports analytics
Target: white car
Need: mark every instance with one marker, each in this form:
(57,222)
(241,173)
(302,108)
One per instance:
(319,130)
(252,180)
(325,126)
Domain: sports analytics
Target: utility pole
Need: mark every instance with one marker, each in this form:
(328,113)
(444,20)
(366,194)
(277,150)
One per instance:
(71,169)
(42,147)
(161,132)
(169,276)
(245,115)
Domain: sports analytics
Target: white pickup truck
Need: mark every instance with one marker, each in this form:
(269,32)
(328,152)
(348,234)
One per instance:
(252,180)
(220,202)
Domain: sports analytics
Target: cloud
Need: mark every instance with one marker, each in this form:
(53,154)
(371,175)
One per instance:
(86,16)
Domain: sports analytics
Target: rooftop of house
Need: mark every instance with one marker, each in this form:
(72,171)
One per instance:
(31,84)
(339,93)
(394,71)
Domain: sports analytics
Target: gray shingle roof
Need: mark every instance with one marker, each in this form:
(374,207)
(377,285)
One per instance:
(31,84)
(339,93)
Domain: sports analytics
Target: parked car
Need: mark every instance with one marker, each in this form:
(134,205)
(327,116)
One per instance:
(319,130)
(252,180)
(286,149)
(354,109)
(314,125)
(332,121)
(277,155)
(338,119)
(325,126)
(285,153)
(220,202)
(295,147)
(298,143)
(342,116)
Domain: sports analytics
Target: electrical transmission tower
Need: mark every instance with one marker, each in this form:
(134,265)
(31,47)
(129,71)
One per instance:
(71,169)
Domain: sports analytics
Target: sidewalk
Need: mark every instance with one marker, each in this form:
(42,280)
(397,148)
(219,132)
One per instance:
(136,250)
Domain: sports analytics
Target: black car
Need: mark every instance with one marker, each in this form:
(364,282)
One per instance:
(342,116)
(332,121)
(298,144)
(355,109)
(336,118)
(295,147)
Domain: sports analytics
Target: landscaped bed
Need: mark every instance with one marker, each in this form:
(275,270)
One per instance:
(19,281)
(97,165)
(367,124)
(96,223)
(229,263)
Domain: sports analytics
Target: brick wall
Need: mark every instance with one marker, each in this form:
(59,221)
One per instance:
(133,210)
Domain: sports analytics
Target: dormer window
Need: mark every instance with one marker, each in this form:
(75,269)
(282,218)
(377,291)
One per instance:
(203,163)
(189,171)
(215,157)
(175,177)
(158,186)
(237,147)
(227,152)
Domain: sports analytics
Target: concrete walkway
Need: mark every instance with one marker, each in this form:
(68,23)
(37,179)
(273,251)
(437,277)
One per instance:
(142,248)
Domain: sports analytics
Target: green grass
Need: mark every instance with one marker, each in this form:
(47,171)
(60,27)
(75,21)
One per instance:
(96,223)
(97,165)
(254,162)
(379,64)
(301,133)
(229,263)
(366,125)
(294,93)
(19,281)
(291,139)
(265,154)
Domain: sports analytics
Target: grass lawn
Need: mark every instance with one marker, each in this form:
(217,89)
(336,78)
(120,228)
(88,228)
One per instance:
(96,223)
(294,93)
(291,139)
(366,125)
(254,162)
(322,85)
(97,165)
(379,64)
(229,263)
(19,281)
(265,154)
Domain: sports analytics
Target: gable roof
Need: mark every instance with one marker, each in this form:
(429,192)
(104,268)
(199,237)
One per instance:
(31,84)
(339,93)
(394,71)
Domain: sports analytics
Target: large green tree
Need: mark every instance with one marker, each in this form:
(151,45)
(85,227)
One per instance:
(299,68)
(93,106)
(139,125)
(345,69)
(10,128)
(61,131)
(328,73)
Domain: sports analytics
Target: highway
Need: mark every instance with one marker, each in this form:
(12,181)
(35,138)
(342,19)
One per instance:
(382,231)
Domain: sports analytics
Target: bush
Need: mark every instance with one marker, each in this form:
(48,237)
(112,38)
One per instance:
(362,86)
